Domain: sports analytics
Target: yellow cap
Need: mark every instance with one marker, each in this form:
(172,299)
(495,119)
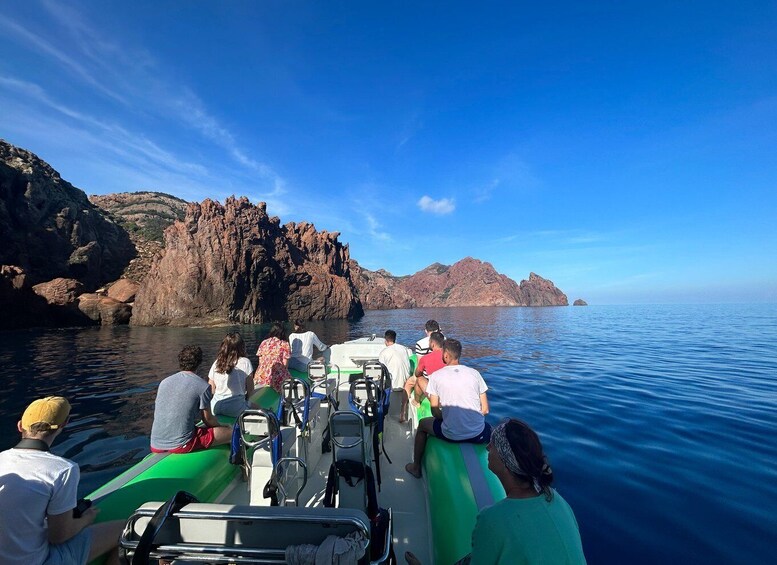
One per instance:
(52,410)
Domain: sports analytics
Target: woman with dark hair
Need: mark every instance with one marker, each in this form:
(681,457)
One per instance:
(230,377)
(533,524)
(274,353)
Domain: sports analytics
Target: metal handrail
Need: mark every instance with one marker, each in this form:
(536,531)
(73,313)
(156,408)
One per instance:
(281,488)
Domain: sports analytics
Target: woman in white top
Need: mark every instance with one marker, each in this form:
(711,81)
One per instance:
(302,343)
(230,378)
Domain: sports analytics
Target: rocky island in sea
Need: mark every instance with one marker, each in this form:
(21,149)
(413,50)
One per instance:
(149,258)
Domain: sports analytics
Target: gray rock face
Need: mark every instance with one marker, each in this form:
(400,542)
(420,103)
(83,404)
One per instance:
(580,302)
(49,228)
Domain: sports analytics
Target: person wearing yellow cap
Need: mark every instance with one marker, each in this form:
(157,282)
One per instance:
(38,493)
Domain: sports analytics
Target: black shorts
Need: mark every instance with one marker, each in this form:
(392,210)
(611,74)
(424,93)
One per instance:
(482,437)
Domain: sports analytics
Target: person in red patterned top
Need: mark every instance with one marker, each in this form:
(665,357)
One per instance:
(274,353)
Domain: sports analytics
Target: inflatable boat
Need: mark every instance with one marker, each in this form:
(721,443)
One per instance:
(302,475)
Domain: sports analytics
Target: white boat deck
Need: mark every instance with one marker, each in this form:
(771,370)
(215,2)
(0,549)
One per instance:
(405,495)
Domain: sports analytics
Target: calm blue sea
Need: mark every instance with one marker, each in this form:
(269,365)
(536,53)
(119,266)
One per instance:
(659,421)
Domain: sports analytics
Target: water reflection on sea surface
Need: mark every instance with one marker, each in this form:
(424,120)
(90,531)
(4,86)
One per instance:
(658,420)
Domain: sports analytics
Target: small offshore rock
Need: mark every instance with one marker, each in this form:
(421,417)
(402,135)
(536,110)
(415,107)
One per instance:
(580,302)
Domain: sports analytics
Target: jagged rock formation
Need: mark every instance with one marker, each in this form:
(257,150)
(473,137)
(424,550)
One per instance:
(379,290)
(468,282)
(580,302)
(55,244)
(49,228)
(145,216)
(541,292)
(233,263)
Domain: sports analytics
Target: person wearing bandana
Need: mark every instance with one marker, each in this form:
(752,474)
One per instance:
(533,525)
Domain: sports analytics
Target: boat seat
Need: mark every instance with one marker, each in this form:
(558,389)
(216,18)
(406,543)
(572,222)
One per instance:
(262,465)
(223,533)
(348,444)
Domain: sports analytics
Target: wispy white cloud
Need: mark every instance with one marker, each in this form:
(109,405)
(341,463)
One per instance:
(440,207)
(411,127)
(130,76)
(123,142)
(559,237)
(510,173)
(44,47)
(375,229)
(484,193)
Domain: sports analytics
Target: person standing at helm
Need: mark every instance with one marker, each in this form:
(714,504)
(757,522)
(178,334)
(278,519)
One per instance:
(302,342)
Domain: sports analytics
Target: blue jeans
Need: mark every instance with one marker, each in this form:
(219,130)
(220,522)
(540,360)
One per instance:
(74,551)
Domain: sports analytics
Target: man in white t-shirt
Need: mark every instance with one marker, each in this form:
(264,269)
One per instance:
(302,342)
(396,358)
(38,493)
(457,395)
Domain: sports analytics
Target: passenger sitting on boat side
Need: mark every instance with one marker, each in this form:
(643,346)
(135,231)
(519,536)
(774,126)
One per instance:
(428,364)
(302,342)
(38,493)
(422,345)
(534,524)
(181,400)
(231,378)
(396,358)
(274,353)
(457,395)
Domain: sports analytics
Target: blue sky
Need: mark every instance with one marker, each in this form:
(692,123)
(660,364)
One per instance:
(624,150)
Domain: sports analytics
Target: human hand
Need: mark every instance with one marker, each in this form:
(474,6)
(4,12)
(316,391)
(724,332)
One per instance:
(90,514)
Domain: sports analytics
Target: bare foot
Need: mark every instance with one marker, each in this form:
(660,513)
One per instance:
(411,559)
(413,470)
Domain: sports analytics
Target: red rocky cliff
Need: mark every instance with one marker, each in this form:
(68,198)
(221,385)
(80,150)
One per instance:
(234,263)
(469,282)
(379,290)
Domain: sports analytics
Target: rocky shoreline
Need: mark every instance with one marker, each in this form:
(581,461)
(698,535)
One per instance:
(149,258)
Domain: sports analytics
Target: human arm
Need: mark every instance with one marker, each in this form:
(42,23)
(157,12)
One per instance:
(487,541)
(421,383)
(434,401)
(318,343)
(63,527)
(205,413)
(211,378)
(420,367)
(246,368)
(484,404)
(61,524)
(209,419)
